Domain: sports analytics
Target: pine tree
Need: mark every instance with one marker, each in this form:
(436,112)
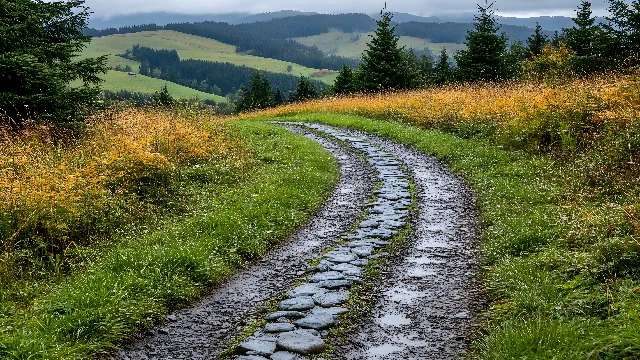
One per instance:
(585,39)
(305,91)
(442,72)
(345,82)
(257,96)
(163,98)
(278,98)
(39,43)
(537,42)
(382,63)
(486,55)
(624,31)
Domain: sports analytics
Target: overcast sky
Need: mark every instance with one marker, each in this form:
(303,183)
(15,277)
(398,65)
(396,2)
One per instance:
(519,8)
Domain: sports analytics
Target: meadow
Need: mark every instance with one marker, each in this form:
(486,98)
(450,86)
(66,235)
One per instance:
(555,168)
(354,44)
(188,47)
(118,80)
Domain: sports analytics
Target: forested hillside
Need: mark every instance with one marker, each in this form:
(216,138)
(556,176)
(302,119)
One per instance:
(207,76)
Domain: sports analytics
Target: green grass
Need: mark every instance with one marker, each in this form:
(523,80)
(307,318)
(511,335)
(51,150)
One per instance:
(354,44)
(188,47)
(148,273)
(561,272)
(117,80)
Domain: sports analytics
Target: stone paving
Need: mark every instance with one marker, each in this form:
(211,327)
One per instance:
(309,310)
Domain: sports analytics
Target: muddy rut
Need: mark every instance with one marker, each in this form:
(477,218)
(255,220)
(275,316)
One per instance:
(423,305)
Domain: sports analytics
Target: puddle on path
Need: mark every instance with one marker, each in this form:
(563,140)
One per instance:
(403,294)
(425,261)
(393,320)
(420,272)
(383,350)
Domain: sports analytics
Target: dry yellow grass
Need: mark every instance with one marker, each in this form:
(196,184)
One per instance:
(48,185)
(614,98)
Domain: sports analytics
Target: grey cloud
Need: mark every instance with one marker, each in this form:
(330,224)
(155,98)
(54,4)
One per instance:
(103,8)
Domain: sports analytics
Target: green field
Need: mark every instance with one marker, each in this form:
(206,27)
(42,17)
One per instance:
(188,47)
(353,44)
(117,80)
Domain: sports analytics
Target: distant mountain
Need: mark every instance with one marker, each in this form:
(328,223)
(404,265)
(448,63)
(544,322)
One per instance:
(548,23)
(161,18)
(268,16)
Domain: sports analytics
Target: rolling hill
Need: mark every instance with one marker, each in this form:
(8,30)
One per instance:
(353,44)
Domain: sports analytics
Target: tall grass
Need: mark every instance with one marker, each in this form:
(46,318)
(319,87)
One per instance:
(62,192)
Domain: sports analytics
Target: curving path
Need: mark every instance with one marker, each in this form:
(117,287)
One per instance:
(423,304)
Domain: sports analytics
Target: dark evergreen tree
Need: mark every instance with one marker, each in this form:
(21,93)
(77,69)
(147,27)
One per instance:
(485,58)
(382,63)
(537,42)
(442,72)
(278,98)
(39,42)
(586,39)
(305,91)
(556,40)
(411,70)
(624,30)
(163,98)
(257,96)
(345,82)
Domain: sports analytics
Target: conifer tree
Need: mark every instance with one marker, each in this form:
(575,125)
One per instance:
(624,31)
(585,39)
(39,43)
(486,55)
(257,96)
(442,72)
(304,91)
(382,63)
(345,82)
(537,42)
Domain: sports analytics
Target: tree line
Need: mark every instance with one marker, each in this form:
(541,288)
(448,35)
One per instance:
(211,77)
(587,47)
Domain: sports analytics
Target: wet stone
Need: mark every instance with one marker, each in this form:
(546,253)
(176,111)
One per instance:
(347,269)
(317,321)
(369,224)
(363,251)
(285,355)
(304,290)
(360,262)
(330,311)
(278,328)
(301,342)
(382,233)
(331,299)
(335,284)
(251,357)
(358,243)
(340,258)
(258,346)
(284,314)
(329,275)
(297,304)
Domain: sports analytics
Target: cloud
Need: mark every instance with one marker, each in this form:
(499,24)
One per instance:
(102,8)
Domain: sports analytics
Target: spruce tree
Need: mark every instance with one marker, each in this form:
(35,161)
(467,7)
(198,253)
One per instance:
(257,96)
(304,91)
(382,63)
(39,46)
(586,39)
(345,82)
(537,42)
(624,29)
(442,72)
(485,58)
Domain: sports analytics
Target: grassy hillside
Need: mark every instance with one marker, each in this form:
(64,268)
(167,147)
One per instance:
(116,81)
(354,44)
(188,47)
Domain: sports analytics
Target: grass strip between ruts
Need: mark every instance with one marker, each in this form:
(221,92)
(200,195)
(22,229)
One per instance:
(143,277)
